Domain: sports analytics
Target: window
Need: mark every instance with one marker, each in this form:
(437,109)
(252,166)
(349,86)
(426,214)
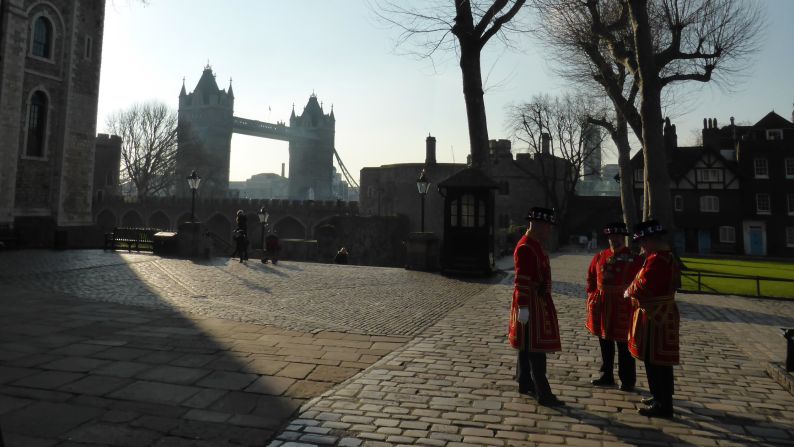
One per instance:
(453,213)
(761,168)
(789,236)
(790,168)
(42,38)
(709,204)
(790,200)
(109,179)
(638,175)
(709,175)
(762,205)
(37,125)
(774,134)
(481,213)
(678,203)
(89,48)
(728,234)
(467,211)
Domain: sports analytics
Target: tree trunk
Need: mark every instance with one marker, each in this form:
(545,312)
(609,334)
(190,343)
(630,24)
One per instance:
(658,176)
(621,139)
(475,102)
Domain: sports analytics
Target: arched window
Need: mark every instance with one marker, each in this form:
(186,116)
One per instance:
(37,125)
(42,38)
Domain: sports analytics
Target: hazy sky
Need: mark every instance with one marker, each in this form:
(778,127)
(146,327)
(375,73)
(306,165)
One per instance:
(279,52)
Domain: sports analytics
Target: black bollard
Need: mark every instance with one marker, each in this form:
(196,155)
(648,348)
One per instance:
(789,334)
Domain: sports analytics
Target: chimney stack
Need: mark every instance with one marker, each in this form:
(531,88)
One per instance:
(545,142)
(282,169)
(430,150)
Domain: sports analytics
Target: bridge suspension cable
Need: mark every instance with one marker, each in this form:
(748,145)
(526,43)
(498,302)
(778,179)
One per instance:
(349,178)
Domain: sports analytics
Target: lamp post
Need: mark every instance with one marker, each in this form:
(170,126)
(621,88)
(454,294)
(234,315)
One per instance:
(263,216)
(422,184)
(193,181)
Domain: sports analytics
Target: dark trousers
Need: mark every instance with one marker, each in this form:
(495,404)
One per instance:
(661,383)
(531,370)
(627,369)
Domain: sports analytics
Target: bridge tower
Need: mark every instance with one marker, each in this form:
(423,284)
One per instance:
(311,152)
(205,135)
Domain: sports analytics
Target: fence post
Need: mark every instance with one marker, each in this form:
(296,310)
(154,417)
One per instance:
(758,286)
(698,281)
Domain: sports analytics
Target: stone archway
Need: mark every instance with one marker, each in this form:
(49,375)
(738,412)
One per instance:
(132,219)
(160,221)
(106,221)
(290,228)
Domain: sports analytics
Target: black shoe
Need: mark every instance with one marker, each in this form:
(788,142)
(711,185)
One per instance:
(603,381)
(656,411)
(626,387)
(550,401)
(647,400)
(528,391)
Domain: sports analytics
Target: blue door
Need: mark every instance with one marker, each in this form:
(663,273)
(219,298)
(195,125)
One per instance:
(756,241)
(679,240)
(704,241)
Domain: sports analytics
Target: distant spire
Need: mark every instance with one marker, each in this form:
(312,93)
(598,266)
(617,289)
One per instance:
(231,92)
(183,92)
(208,66)
(293,111)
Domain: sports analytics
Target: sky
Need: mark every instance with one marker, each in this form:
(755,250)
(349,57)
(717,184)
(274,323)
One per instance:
(277,53)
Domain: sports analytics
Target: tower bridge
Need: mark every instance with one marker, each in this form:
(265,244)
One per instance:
(206,125)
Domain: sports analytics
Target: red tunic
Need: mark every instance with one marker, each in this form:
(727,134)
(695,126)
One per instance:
(608,313)
(533,290)
(655,322)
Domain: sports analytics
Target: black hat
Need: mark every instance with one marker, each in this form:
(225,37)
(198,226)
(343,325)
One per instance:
(616,228)
(648,228)
(542,215)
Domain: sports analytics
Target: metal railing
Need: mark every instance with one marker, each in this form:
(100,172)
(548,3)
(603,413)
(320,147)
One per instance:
(698,277)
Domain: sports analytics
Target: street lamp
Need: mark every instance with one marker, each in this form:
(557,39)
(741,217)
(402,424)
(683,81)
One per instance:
(193,181)
(263,216)
(422,184)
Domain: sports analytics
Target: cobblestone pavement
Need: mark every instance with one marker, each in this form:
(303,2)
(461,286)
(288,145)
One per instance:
(453,384)
(101,348)
(297,296)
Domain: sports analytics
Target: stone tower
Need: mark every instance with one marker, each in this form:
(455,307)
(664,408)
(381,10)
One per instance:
(311,153)
(592,151)
(50,54)
(206,119)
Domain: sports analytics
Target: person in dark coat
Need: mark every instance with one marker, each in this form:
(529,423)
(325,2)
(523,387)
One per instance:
(241,236)
(272,247)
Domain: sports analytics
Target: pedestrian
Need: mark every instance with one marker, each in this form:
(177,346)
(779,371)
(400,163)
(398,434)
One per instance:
(534,329)
(653,337)
(608,313)
(341,256)
(272,248)
(241,236)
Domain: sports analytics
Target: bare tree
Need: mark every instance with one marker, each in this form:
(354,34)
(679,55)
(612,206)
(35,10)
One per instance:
(658,43)
(464,27)
(557,133)
(149,145)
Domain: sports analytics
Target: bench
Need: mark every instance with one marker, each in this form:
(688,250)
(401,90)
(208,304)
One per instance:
(140,239)
(8,238)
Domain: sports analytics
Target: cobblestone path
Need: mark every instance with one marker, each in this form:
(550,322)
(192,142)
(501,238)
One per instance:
(453,384)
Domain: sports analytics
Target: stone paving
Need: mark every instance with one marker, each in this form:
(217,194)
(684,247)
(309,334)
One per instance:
(100,348)
(453,384)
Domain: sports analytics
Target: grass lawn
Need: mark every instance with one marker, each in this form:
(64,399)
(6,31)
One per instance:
(739,286)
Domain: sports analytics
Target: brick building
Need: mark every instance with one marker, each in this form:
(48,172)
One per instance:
(735,193)
(50,56)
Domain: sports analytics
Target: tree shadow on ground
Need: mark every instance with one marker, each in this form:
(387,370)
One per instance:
(705,312)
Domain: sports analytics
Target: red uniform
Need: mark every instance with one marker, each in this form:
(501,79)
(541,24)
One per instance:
(655,321)
(533,290)
(608,313)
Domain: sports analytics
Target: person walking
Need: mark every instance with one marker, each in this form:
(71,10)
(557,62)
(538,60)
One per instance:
(653,337)
(533,327)
(272,248)
(241,236)
(608,313)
